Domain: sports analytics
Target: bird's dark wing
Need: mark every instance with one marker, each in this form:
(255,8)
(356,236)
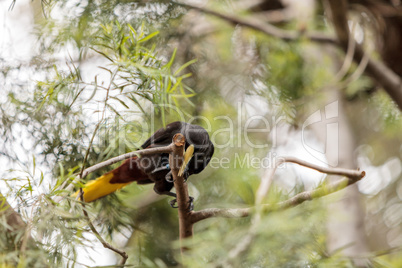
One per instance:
(163,136)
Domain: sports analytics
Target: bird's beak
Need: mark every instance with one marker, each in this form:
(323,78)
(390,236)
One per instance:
(188,154)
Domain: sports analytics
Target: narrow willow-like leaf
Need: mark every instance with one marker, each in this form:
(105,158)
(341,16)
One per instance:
(169,64)
(113,109)
(76,97)
(148,37)
(132,29)
(41,178)
(103,54)
(185,66)
(121,101)
(137,103)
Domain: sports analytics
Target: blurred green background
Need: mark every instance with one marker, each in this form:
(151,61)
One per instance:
(99,77)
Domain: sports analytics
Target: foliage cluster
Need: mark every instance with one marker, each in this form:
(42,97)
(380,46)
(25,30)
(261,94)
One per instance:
(134,67)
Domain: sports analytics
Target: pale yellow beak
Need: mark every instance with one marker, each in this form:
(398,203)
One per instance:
(188,154)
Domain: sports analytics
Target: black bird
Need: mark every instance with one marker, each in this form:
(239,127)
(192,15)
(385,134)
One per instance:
(155,168)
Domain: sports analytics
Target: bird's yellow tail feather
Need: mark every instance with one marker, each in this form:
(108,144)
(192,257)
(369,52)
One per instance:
(100,187)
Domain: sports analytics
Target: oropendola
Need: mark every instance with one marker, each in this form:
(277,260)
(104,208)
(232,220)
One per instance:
(155,168)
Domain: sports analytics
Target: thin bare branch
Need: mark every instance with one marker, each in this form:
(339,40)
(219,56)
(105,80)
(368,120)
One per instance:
(357,73)
(221,213)
(148,151)
(87,171)
(352,176)
(263,27)
(122,253)
(347,62)
(389,80)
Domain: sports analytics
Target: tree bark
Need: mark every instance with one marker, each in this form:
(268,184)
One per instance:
(175,161)
(13,219)
(16,229)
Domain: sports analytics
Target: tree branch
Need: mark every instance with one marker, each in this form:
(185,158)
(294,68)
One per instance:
(87,171)
(175,162)
(390,81)
(14,220)
(266,28)
(148,151)
(381,73)
(352,177)
(16,225)
(105,244)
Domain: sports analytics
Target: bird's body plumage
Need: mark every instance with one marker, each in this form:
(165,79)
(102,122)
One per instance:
(154,168)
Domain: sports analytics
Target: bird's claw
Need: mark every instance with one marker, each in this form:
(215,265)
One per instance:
(168,177)
(173,203)
(186,175)
(190,205)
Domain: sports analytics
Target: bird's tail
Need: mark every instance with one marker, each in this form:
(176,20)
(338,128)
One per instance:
(114,180)
(100,187)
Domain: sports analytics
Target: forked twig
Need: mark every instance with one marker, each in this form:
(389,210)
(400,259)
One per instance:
(352,176)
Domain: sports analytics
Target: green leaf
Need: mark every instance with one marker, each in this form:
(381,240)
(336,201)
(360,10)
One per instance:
(76,96)
(113,109)
(94,91)
(185,66)
(101,53)
(137,103)
(34,165)
(132,29)
(169,64)
(41,178)
(119,100)
(146,38)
